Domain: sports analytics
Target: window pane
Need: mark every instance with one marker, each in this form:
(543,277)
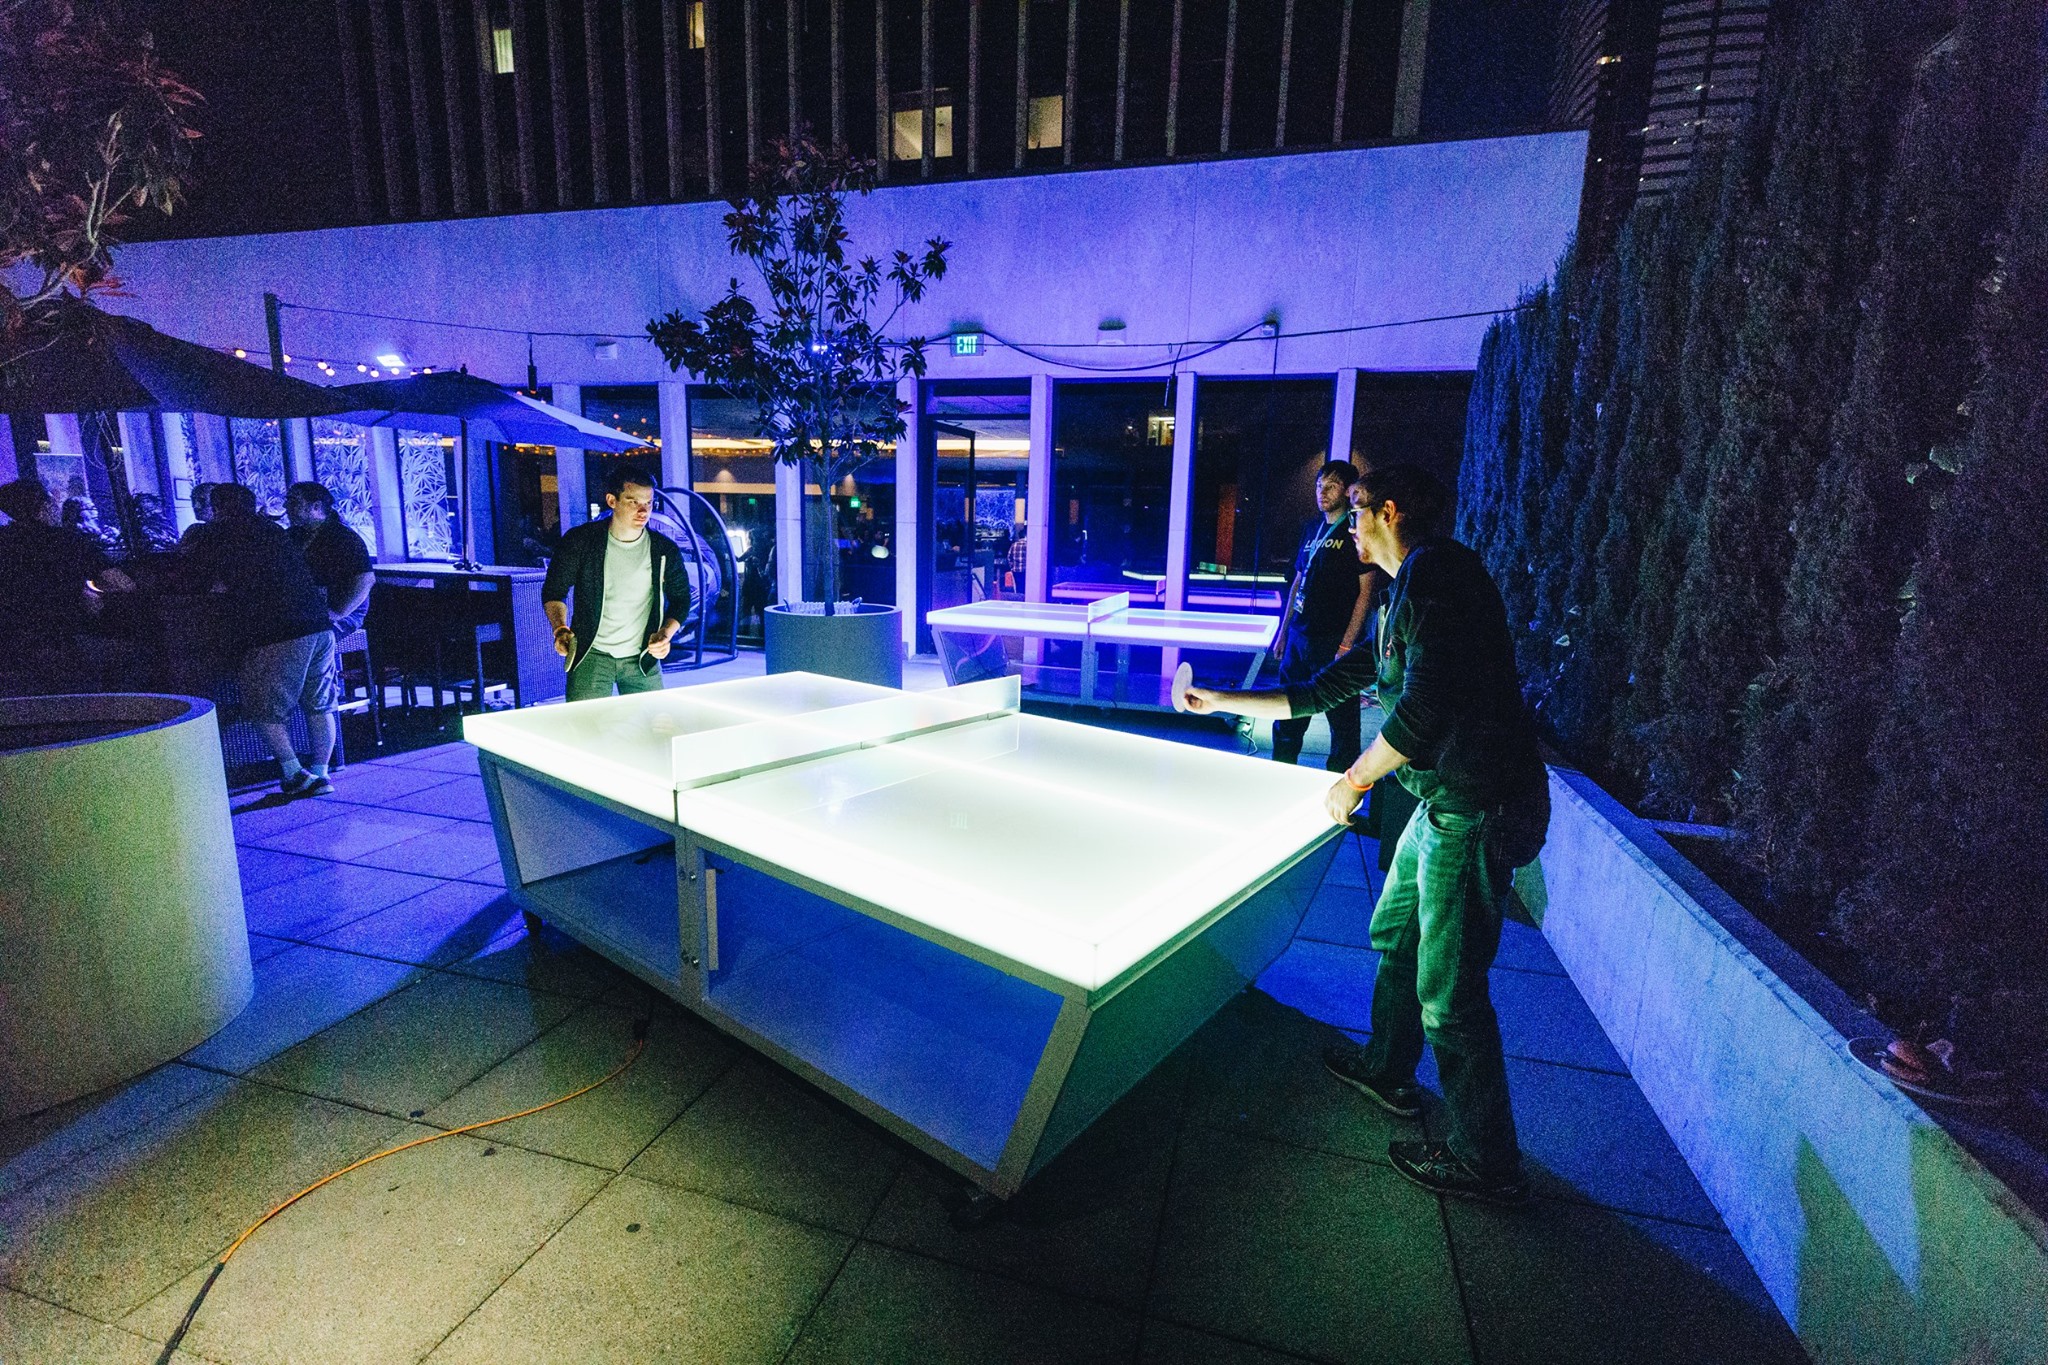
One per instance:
(1048,120)
(1110,491)
(259,461)
(732,468)
(1258,444)
(634,409)
(426,474)
(341,463)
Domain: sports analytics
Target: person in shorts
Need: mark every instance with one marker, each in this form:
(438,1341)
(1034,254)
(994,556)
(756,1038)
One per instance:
(277,616)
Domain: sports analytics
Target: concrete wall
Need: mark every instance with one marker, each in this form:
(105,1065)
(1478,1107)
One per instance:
(1196,251)
(1878,1235)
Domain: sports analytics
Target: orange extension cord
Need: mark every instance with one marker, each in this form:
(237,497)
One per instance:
(171,1346)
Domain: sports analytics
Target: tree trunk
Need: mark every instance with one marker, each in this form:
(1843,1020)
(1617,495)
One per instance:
(821,545)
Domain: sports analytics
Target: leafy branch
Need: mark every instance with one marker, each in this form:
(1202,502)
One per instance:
(814,355)
(92,130)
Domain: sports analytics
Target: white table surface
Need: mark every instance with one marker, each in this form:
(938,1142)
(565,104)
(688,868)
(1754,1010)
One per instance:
(1069,849)
(1242,631)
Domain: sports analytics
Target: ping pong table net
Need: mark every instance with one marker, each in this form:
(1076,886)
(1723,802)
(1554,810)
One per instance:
(713,756)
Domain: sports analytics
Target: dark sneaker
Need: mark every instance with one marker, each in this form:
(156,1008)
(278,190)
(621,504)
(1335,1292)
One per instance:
(1347,1064)
(1432,1166)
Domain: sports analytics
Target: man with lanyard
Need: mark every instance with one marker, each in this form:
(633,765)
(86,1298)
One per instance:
(339,560)
(1461,740)
(631,594)
(1326,609)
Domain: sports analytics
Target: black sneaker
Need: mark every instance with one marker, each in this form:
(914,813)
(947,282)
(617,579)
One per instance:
(1347,1064)
(1432,1166)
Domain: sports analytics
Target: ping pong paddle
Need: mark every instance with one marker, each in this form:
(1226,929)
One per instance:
(1183,679)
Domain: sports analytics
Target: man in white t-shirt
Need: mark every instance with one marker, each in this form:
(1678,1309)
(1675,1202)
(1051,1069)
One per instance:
(628,590)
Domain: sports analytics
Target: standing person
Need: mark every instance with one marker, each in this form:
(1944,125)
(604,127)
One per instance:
(1459,737)
(277,621)
(1326,610)
(339,560)
(630,589)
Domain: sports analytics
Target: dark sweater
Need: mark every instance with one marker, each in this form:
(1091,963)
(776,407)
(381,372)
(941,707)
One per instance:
(578,567)
(270,593)
(1444,669)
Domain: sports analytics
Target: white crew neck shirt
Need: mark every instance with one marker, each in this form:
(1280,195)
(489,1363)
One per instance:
(628,596)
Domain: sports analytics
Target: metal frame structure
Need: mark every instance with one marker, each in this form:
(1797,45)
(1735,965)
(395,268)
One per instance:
(679,502)
(988,1064)
(1108,621)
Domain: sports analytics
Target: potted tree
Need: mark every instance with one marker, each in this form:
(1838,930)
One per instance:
(816,359)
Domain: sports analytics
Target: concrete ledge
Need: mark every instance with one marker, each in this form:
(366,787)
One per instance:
(1879,1237)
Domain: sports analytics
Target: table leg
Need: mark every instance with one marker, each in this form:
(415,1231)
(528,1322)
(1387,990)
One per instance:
(1251,675)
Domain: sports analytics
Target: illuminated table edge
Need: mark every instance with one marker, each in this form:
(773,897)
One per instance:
(1117,632)
(1095,994)
(1098,1045)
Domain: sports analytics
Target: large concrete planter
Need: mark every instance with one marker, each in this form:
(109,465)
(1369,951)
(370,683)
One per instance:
(1878,1234)
(122,937)
(860,640)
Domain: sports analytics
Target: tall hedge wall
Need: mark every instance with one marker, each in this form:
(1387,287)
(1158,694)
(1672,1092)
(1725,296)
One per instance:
(1767,492)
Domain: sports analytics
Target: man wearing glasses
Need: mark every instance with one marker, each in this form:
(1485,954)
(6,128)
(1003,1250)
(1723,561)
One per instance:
(1459,738)
(630,594)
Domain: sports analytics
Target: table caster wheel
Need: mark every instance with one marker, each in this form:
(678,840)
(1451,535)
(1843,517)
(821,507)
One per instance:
(976,1208)
(533,923)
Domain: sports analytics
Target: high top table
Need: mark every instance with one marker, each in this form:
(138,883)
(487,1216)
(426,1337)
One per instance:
(513,606)
(976,926)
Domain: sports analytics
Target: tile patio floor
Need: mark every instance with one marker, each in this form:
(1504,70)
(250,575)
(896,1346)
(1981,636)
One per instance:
(1237,1206)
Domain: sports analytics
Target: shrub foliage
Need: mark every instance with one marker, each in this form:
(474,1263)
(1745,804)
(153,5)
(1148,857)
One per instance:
(1767,492)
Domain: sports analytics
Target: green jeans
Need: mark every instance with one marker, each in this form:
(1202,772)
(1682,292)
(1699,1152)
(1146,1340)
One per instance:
(1437,928)
(595,675)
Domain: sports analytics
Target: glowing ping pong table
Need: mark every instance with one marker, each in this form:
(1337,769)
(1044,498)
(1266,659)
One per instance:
(964,634)
(976,926)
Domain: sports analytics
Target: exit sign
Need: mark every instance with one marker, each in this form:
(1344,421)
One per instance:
(966,343)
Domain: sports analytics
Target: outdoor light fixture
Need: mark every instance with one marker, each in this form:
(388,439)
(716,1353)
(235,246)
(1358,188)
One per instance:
(390,360)
(605,349)
(241,354)
(1110,332)
(362,369)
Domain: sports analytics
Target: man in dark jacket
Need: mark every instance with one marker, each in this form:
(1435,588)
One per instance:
(1461,740)
(630,594)
(277,618)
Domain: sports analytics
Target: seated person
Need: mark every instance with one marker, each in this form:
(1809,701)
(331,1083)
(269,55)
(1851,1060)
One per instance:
(334,552)
(202,510)
(278,629)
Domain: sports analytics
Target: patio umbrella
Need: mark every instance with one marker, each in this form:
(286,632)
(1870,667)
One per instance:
(85,360)
(452,403)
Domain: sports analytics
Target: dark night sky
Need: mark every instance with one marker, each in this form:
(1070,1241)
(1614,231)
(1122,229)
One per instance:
(273,154)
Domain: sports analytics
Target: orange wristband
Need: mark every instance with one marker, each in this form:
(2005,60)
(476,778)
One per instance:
(1346,775)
